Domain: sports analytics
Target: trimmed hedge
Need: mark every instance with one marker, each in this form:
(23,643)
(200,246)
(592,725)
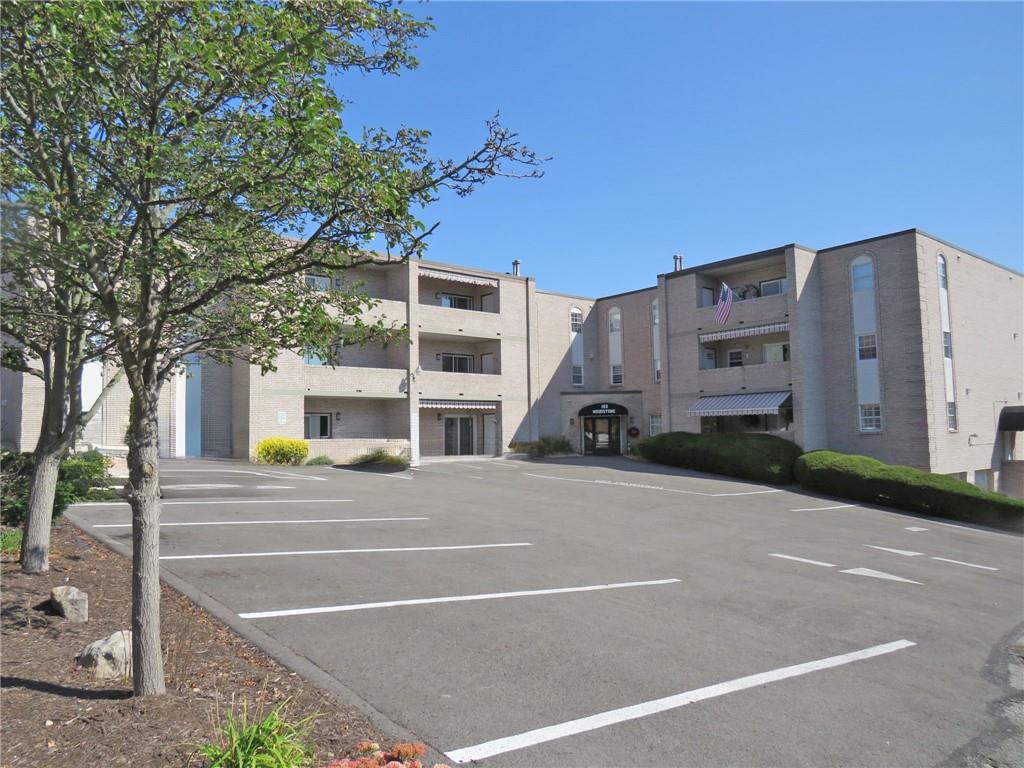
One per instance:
(752,456)
(281,450)
(543,447)
(81,476)
(865,479)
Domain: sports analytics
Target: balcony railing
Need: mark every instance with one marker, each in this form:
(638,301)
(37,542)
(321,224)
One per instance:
(763,309)
(352,381)
(468,323)
(480,386)
(762,377)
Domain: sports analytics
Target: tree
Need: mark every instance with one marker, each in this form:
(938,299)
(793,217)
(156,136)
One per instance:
(215,170)
(50,330)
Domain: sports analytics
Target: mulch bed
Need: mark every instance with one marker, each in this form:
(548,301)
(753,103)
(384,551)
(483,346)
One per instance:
(54,713)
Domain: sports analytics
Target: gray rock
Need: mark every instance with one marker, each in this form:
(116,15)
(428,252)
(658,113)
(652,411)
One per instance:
(109,658)
(70,602)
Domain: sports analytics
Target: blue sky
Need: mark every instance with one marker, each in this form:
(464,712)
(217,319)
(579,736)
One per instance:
(716,129)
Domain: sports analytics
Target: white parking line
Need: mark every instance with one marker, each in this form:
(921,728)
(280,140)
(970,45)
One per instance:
(916,528)
(904,552)
(275,522)
(264,473)
(645,486)
(818,509)
(455,599)
(198,486)
(803,560)
(969,565)
(219,501)
(604,719)
(343,551)
(878,575)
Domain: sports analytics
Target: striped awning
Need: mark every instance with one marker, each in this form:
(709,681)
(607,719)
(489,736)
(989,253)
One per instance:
(752,404)
(737,333)
(461,405)
(456,277)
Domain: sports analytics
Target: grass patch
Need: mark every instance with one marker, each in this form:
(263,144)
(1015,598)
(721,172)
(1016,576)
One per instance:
(760,457)
(320,461)
(10,541)
(380,456)
(546,446)
(865,479)
(271,742)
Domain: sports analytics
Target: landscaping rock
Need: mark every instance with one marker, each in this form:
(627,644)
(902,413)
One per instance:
(109,658)
(70,602)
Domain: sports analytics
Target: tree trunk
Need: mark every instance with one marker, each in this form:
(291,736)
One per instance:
(144,497)
(35,542)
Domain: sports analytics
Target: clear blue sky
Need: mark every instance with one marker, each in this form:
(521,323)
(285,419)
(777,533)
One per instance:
(716,129)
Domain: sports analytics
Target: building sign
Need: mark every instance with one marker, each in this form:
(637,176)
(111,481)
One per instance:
(604,409)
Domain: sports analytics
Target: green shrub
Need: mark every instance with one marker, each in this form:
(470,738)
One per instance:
(752,456)
(546,446)
(10,541)
(272,742)
(281,450)
(320,461)
(81,476)
(380,456)
(865,479)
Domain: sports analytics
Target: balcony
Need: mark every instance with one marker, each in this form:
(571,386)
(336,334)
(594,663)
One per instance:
(756,311)
(765,377)
(467,323)
(352,381)
(471,386)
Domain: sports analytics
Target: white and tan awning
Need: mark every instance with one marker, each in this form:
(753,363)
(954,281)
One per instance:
(752,404)
(460,405)
(738,333)
(457,277)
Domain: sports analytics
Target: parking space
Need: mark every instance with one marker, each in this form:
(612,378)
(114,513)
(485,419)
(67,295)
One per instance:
(606,612)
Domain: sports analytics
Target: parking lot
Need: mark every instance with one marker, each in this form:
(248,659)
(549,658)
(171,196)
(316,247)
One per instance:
(607,612)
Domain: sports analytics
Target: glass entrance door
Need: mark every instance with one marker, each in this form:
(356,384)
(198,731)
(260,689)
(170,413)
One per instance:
(601,436)
(458,435)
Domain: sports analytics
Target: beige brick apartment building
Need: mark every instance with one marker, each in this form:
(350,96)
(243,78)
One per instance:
(903,347)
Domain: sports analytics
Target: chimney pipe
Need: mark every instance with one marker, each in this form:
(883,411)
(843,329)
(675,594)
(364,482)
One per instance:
(515,267)
(678,259)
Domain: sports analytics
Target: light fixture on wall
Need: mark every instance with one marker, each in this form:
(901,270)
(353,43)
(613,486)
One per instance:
(337,415)
(440,416)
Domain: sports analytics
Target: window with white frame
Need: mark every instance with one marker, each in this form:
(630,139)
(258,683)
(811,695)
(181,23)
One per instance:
(870,417)
(943,274)
(867,347)
(615,345)
(456,301)
(614,321)
(655,340)
(317,426)
(951,419)
(455,363)
(616,374)
(575,320)
(863,276)
(777,352)
(577,375)
(318,282)
(773,287)
(947,345)
(735,358)
(655,425)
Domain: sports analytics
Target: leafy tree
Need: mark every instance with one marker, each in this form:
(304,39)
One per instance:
(212,168)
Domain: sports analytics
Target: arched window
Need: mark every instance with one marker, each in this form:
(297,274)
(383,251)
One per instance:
(615,345)
(943,275)
(576,345)
(575,319)
(655,341)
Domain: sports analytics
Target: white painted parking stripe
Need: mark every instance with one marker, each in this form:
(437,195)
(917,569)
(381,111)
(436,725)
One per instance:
(904,552)
(916,529)
(818,509)
(878,575)
(275,487)
(264,473)
(219,501)
(969,565)
(624,714)
(624,484)
(455,599)
(198,486)
(343,551)
(276,522)
(804,560)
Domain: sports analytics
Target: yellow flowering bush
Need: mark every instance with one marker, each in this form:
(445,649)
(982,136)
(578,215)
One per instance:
(281,450)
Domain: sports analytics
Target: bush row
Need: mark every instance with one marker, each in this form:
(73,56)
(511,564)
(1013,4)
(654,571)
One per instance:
(764,458)
(546,446)
(81,476)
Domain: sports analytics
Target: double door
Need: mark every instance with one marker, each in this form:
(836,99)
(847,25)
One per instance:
(459,435)
(602,435)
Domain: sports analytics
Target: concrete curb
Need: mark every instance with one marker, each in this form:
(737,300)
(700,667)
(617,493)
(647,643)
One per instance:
(277,650)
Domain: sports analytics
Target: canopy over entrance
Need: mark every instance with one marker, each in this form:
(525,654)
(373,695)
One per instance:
(604,409)
(752,404)
(1011,419)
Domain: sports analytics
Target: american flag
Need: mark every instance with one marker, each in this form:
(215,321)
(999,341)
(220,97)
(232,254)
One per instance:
(724,305)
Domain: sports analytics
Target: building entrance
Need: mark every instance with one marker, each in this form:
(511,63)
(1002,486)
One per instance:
(602,429)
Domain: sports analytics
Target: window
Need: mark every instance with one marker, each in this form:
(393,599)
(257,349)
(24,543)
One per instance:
(318,426)
(575,320)
(951,421)
(577,375)
(654,314)
(657,369)
(983,478)
(707,297)
(616,374)
(453,363)
(318,282)
(614,321)
(655,341)
(655,426)
(871,418)
(455,301)
(863,275)
(867,347)
(947,345)
(776,353)
(311,357)
(708,358)
(773,287)
(943,275)
(735,358)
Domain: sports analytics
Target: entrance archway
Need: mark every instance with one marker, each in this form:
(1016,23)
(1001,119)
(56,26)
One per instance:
(601,427)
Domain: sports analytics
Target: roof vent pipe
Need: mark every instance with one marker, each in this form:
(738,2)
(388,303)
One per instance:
(515,267)
(678,259)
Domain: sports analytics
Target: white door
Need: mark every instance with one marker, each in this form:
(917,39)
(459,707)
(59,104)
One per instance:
(490,434)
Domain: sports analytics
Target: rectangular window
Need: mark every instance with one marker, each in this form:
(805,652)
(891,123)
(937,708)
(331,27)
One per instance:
(455,301)
(655,427)
(657,370)
(773,287)
(577,375)
(309,357)
(708,358)
(707,297)
(776,353)
(867,347)
(871,418)
(575,321)
(983,478)
(318,282)
(735,358)
(318,426)
(947,345)
(863,277)
(951,420)
(453,363)
(616,374)
(614,323)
